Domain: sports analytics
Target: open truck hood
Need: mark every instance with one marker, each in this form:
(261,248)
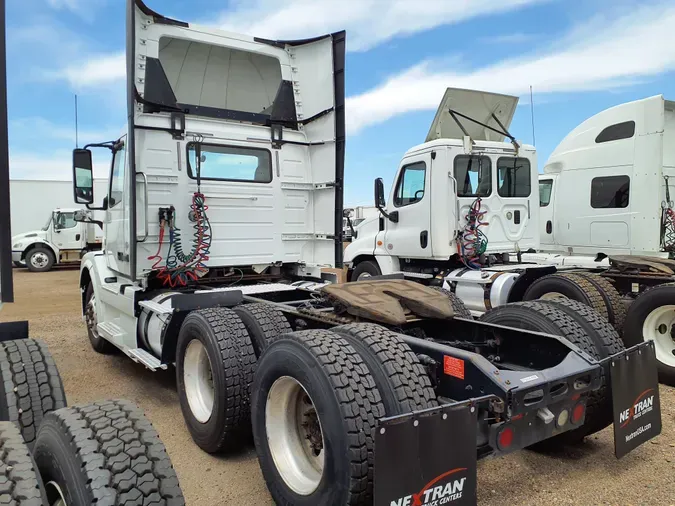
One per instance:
(477,105)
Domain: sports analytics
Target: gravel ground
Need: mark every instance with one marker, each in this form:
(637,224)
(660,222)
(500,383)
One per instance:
(588,474)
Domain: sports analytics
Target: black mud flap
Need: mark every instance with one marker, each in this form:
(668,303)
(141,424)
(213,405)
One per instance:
(427,458)
(635,397)
(12,331)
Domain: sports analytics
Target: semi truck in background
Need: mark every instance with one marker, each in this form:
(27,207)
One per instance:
(354,217)
(62,241)
(464,214)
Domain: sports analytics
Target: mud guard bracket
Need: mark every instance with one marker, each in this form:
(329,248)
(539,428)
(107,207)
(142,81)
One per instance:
(635,397)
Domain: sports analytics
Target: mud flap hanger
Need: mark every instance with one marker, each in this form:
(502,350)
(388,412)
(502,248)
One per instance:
(636,405)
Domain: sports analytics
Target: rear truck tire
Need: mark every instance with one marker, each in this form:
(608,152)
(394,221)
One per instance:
(215,363)
(651,317)
(616,308)
(399,376)
(315,407)
(570,286)
(545,316)
(263,322)
(99,344)
(366,269)
(40,260)
(31,385)
(105,453)
(20,482)
(458,305)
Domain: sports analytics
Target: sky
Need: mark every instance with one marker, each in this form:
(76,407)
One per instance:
(579,56)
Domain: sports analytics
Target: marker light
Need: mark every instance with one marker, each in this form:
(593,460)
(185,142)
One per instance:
(563,418)
(578,412)
(505,438)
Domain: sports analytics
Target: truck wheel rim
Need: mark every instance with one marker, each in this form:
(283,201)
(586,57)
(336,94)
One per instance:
(552,296)
(55,495)
(659,327)
(294,435)
(39,260)
(91,318)
(363,275)
(198,380)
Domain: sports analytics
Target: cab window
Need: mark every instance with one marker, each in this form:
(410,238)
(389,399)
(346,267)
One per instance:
(513,177)
(411,184)
(117,176)
(64,221)
(545,189)
(473,175)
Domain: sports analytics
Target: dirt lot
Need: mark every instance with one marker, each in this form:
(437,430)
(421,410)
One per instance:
(588,474)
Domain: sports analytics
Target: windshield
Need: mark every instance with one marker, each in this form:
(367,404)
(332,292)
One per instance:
(49,222)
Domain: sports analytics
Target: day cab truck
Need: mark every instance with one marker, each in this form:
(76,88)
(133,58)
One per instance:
(62,241)
(223,255)
(463,214)
(606,204)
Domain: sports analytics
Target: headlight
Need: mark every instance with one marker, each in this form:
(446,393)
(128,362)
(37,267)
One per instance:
(17,246)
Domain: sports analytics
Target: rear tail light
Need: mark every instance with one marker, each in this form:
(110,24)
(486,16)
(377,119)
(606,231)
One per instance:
(505,438)
(578,413)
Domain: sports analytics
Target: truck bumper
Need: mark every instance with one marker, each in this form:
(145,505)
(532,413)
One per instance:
(16,256)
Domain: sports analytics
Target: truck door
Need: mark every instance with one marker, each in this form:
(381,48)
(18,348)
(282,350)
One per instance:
(546,209)
(67,233)
(117,215)
(410,205)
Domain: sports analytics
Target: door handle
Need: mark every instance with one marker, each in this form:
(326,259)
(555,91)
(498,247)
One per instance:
(549,227)
(77,237)
(424,238)
(516,217)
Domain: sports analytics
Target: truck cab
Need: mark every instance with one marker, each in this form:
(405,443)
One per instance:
(453,191)
(62,240)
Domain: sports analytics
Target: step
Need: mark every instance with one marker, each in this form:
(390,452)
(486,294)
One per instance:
(109,331)
(155,308)
(417,275)
(143,357)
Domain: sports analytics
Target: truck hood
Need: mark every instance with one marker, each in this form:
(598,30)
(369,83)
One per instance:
(29,236)
(477,105)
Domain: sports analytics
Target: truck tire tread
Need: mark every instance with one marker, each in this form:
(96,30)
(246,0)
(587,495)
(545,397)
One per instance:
(616,308)
(31,383)
(263,322)
(20,483)
(400,377)
(119,455)
(458,305)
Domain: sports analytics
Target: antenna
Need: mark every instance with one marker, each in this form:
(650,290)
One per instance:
(534,138)
(77,143)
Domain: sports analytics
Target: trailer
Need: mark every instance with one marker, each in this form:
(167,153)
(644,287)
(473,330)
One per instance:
(223,245)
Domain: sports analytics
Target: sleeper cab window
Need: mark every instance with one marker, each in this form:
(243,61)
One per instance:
(229,163)
(625,130)
(473,175)
(514,177)
(611,192)
(411,184)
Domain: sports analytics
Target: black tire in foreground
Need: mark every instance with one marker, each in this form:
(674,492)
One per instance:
(314,412)
(40,259)
(652,317)
(401,379)
(263,322)
(31,385)
(214,343)
(366,269)
(458,305)
(99,344)
(616,307)
(570,286)
(20,482)
(545,316)
(106,453)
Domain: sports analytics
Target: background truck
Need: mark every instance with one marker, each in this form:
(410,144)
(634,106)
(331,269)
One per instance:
(106,452)
(220,263)
(463,214)
(354,217)
(62,241)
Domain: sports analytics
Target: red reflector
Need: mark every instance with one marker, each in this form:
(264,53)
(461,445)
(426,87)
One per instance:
(578,412)
(576,397)
(505,438)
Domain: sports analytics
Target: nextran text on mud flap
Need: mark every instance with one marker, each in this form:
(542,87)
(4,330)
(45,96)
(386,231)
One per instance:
(436,496)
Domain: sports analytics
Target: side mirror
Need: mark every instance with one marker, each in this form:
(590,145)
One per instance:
(380,203)
(83,176)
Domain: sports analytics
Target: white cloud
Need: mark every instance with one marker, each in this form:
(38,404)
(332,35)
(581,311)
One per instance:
(97,70)
(605,53)
(82,8)
(42,128)
(55,166)
(509,38)
(368,22)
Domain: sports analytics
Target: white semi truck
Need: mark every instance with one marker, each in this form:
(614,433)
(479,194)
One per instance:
(463,213)
(62,241)
(223,228)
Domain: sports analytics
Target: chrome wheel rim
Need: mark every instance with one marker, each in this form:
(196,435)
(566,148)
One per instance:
(55,496)
(90,317)
(198,381)
(659,326)
(39,260)
(362,276)
(552,296)
(294,435)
